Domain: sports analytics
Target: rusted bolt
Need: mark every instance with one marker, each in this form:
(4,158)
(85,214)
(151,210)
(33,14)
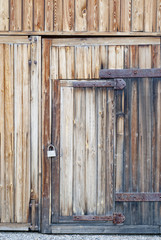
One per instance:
(109,73)
(30,62)
(135,72)
(35,62)
(30,39)
(35,39)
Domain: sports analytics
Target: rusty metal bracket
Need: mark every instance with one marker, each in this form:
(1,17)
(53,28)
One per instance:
(138,197)
(116,218)
(130,73)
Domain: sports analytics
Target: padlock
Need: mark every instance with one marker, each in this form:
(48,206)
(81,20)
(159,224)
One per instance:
(51,151)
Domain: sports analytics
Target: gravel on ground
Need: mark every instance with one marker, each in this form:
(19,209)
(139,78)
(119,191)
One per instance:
(38,236)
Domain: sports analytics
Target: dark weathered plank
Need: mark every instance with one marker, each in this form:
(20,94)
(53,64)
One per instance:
(55,167)
(46,137)
(130,73)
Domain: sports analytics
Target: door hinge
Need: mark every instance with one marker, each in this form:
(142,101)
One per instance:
(34,214)
(116,218)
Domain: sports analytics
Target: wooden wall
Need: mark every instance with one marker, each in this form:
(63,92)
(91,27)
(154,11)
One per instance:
(85,16)
(19,127)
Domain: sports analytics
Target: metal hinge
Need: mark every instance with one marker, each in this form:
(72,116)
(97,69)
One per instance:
(34,214)
(116,218)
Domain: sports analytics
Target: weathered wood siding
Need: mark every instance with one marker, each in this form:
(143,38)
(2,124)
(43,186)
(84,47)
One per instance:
(135,136)
(19,127)
(85,16)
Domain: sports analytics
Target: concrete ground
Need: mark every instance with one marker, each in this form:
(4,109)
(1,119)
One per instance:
(38,236)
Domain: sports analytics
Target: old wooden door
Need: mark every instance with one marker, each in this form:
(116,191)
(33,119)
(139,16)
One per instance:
(106,140)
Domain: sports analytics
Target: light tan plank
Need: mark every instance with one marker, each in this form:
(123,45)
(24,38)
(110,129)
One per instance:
(79,194)
(150,16)
(101,149)
(54,63)
(49,15)
(81,15)
(15,15)
(66,152)
(9,131)
(95,62)
(137,15)
(91,152)
(27,15)
(126,15)
(92,15)
(106,41)
(104,15)
(158,16)
(14,39)
(26,132)
(2,136)
(58,20)
(38,15)
(68,15)
(114,15)
(18,80)
(4,15)
(70,65)
(62,63)
(83,62)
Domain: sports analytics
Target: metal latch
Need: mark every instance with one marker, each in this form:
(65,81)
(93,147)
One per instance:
(51,151)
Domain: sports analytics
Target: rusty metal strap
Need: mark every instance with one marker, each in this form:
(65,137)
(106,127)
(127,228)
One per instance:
(130,73)
(116,218)
(138,197)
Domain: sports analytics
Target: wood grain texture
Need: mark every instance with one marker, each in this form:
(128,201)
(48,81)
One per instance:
(79,194)
(81,15)
(115,15)
(49,8)
(126,15)
(4,15)
(104,7)
(15,15)
(92,14)
(27,15)
(68,15)
(58,11)
(137,15)
(150,16)
(66,152)
(39,15)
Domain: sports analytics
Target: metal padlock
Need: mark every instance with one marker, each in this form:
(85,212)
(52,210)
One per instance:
(51,151)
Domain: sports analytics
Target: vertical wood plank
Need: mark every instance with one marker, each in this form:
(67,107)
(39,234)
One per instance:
(15,15)
(91,151)
(92,15)
(35,113)
(46,135)
(145,138)
(55,170)
(79,194)
(137,15)
(66,152)
(68,15)
(9,132)
(80,15)
(70,64)
(2,135)
(4,15)
(115,15)
(38,15)
(18,81)
(95,62)
(150,16)
(104,15)
(62,63)
(158,16)
(26,132)
(126,15)
(49,8)
(27,15)
(83,62)
(101,149)
(58,20)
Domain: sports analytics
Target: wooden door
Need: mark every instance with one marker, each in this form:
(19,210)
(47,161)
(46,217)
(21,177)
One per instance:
(19,132)
(105,139)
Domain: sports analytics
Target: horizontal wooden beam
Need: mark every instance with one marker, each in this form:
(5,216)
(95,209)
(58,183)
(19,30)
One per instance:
(80,33)
(138,197)
(130,73)
(116,84)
